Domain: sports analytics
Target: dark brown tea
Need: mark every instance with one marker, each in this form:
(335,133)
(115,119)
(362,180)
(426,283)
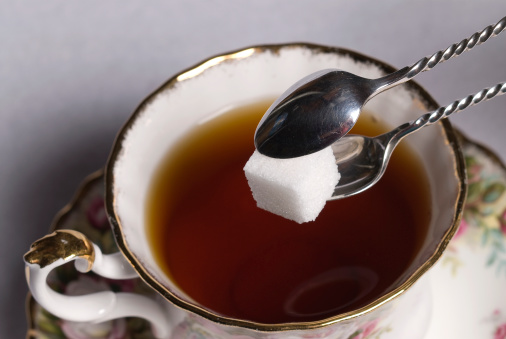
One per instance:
(243,262)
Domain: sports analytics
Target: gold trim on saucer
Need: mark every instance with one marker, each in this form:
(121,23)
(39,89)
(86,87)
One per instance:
(449,135)
(464,139)
(63,213)
(32,332)
(61,244)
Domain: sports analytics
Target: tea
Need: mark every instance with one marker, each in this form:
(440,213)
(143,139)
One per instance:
(243,262)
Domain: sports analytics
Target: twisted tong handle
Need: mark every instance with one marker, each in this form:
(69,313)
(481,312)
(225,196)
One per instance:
(443,112)
(429,62)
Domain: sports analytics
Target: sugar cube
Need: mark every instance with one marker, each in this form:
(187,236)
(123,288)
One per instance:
(295,188)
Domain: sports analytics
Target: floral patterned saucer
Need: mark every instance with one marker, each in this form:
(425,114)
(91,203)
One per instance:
(468,283)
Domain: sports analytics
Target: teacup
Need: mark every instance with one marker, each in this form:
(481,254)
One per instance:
(196,94)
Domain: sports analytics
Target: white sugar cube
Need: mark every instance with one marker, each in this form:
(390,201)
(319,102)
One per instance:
(295,188)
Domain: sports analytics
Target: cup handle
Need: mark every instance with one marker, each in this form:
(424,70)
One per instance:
(64,246)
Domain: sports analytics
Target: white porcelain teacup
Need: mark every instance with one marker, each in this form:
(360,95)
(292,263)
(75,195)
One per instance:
(195,94)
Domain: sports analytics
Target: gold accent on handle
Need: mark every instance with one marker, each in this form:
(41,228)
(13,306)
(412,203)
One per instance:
(61,244)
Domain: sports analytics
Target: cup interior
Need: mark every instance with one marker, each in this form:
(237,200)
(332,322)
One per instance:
(251,75)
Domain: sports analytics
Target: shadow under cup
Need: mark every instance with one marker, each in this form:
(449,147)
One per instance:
(251,75)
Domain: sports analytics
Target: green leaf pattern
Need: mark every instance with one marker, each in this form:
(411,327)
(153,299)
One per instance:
(87,216)
(483,225)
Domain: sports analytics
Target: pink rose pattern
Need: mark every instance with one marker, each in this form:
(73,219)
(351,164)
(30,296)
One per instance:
(485,203)
(114,329)
(367,331)
(88,216)
(500,332)
(499,321)
(461,230)
(484,218)
(96,214)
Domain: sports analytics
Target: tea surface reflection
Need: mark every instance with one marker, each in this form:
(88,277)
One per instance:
(243,262)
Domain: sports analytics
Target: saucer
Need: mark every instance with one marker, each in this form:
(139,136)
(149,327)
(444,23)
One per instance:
(468,283)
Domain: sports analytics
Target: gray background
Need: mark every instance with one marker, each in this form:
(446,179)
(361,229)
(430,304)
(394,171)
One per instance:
(71,72)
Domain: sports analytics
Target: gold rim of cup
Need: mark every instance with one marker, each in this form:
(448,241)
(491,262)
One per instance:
(450,137)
